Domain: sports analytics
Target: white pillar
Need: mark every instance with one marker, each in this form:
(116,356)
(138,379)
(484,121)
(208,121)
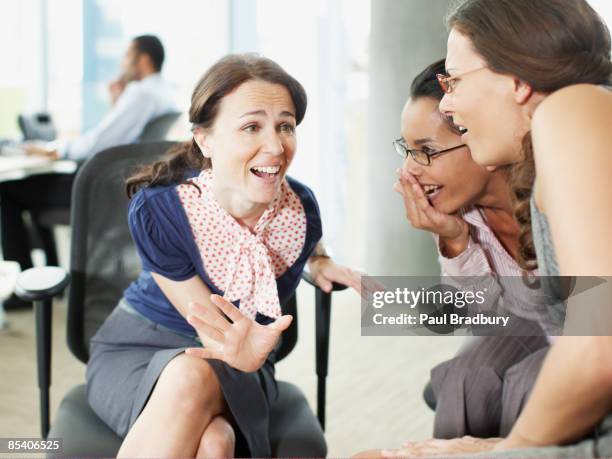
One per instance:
(406,36)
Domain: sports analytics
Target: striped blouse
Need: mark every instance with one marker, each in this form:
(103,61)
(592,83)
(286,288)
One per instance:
(485,264)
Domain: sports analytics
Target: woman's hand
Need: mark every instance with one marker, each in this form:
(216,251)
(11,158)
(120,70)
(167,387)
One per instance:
(239,341)
(435,447)
(325,272)
(452,229)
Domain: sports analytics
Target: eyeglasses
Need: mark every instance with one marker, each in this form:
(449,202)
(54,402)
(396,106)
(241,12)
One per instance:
(449,83)
(421,157)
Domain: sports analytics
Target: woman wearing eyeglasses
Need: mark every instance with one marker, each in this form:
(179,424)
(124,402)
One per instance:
(470,213)
(526,81)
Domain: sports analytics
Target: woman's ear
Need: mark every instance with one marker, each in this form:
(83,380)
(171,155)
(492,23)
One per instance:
(201,139)
(522,91)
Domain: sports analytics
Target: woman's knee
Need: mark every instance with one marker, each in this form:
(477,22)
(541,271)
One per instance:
(190,385)
(218,440)
(497,353)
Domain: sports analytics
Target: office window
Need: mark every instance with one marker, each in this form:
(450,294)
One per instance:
(327,51)
(194,34)
(604,8)
(21,45)
(60,55)
(64,51)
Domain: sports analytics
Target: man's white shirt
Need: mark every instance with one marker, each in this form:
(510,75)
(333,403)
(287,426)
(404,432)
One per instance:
(140,102)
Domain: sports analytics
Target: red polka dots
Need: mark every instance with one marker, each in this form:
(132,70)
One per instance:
(240,263)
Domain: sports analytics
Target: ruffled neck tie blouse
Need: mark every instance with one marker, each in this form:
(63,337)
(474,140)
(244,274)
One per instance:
(244,264)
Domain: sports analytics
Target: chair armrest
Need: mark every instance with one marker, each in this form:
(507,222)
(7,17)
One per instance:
(322,326)
(42,283)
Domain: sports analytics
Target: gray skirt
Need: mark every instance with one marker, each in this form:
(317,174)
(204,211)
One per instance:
(481,392)
(128,354)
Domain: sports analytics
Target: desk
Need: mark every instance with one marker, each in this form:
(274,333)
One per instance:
(18,167)
(35,184)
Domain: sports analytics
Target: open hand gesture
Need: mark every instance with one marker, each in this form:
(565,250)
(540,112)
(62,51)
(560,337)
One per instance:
(235,339)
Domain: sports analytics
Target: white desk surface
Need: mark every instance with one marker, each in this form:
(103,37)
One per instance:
(16,167)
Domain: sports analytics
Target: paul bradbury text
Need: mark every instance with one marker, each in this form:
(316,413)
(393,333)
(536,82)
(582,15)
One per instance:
(444,319)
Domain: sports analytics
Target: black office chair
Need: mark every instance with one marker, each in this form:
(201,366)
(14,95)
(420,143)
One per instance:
(156,130)
(103,262)
(159,128)
(429,396)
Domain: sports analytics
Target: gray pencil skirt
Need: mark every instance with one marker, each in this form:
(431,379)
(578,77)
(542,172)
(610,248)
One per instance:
(482,391)
(129,353)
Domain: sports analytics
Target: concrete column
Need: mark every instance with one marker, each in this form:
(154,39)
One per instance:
(406,36)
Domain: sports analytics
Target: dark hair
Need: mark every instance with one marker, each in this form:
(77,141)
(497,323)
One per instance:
(220,80)
(549,44)
(426,84)
(151,46)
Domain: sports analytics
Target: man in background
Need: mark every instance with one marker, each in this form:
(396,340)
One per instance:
(138,96)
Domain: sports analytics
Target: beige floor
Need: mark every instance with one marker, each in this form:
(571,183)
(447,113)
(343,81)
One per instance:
(374,383)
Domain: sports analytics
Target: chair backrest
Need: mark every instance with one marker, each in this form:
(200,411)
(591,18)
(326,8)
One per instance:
(103,258)
(289,336)
(158,128)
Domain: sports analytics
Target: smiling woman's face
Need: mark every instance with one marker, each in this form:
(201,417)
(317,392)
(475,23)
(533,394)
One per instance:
(485,103)
(453,180)
(251,143)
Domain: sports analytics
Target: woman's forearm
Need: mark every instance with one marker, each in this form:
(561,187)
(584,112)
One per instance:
(571,396)
(182,293)
(319,252)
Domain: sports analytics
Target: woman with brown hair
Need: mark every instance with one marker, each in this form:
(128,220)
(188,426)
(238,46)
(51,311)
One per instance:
(223,234)
(540,67)
(469,212)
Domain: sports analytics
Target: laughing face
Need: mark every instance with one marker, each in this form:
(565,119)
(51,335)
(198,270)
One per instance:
(453,180)
(251,144)
(490,107)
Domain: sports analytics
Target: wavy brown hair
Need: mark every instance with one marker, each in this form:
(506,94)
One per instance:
(549,44)
(220,80)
